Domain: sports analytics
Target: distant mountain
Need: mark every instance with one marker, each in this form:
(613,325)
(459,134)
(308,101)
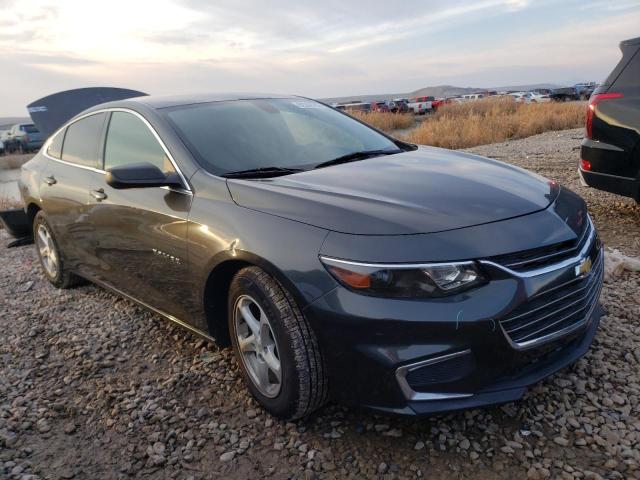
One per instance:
(438,92)
(7,122)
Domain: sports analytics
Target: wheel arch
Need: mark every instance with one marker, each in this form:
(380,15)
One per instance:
(31,211)
(215,291)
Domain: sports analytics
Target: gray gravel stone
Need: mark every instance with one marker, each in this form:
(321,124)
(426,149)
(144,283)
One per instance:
(227,456)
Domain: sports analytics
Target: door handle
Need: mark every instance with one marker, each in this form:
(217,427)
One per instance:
(99,194)
(50,180)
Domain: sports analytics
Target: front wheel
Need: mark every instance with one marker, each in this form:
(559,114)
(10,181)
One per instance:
(276,349)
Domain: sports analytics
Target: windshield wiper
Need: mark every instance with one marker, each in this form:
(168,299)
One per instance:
(263,172)
(351,157)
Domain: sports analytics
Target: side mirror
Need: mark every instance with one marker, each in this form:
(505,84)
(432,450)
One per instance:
(140,175)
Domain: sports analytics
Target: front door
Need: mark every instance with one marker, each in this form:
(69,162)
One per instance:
(140,233)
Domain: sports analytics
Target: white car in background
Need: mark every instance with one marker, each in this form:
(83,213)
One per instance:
(530,97)
(518,96)
(470,97)
(535,97)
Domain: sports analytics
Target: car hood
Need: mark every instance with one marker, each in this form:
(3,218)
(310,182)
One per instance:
(423,191)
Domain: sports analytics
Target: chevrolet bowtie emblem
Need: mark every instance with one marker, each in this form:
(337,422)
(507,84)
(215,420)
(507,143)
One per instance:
(584,267)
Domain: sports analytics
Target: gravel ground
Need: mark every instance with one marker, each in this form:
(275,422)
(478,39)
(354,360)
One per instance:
(92,386)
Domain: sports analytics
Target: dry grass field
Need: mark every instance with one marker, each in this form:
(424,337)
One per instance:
(8,162)
(387,122)
(7,203)
(465,125)
(493,120)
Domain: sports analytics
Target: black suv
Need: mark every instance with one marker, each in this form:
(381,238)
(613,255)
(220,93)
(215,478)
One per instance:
(610,154)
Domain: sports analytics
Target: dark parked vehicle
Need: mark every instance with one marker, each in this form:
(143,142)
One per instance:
(399,105)
(24,138)
(563,94)
(610,153)
(584,90)
(337,261)
(355,107)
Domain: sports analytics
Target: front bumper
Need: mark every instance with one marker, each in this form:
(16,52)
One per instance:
(372,345)
(512,385)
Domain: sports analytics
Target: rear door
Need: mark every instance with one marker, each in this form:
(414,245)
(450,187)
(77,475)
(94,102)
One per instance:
(73,166)
(141,232)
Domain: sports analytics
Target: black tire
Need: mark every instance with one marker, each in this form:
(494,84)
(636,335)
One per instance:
(62,278)
(304,386)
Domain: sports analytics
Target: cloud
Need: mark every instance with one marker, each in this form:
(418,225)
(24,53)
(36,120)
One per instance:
(328,49)
(336,26)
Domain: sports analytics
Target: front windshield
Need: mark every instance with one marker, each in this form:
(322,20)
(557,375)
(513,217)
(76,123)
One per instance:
(237,135)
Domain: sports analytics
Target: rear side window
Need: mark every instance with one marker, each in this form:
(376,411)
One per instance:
(55,147)
(630,76)
(30,129)
(81,141)
(129,141)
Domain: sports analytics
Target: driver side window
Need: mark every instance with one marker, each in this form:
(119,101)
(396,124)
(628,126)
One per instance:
(130,141)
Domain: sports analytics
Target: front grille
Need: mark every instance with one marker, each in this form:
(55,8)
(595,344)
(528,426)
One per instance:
(446,371)
(557,309)
(544,256)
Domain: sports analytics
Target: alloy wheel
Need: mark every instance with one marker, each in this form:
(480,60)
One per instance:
(257,346)
(47,250)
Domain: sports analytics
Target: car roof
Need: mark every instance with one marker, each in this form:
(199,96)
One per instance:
(156,102)
(631,41)
(166,101)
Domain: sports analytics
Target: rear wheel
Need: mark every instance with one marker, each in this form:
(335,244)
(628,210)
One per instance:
(49,255)
(276,349)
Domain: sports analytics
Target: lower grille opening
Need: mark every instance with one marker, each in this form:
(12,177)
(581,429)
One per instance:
(447,371)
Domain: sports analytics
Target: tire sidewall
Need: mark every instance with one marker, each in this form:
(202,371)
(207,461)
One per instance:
(284,404)
(40,219)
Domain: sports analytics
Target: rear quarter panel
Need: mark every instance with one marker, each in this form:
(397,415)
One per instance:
(31,179)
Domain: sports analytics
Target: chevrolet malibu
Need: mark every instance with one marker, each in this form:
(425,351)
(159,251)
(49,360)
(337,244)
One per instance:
(336,261)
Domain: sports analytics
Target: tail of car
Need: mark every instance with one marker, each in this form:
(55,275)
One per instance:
(610,153)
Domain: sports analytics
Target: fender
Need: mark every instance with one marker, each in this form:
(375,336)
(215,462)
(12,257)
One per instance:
(250,258)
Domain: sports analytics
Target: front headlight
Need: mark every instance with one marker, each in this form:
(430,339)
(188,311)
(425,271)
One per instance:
(405,281)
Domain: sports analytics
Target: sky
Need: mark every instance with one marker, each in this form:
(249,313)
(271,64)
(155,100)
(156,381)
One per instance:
(322,48)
